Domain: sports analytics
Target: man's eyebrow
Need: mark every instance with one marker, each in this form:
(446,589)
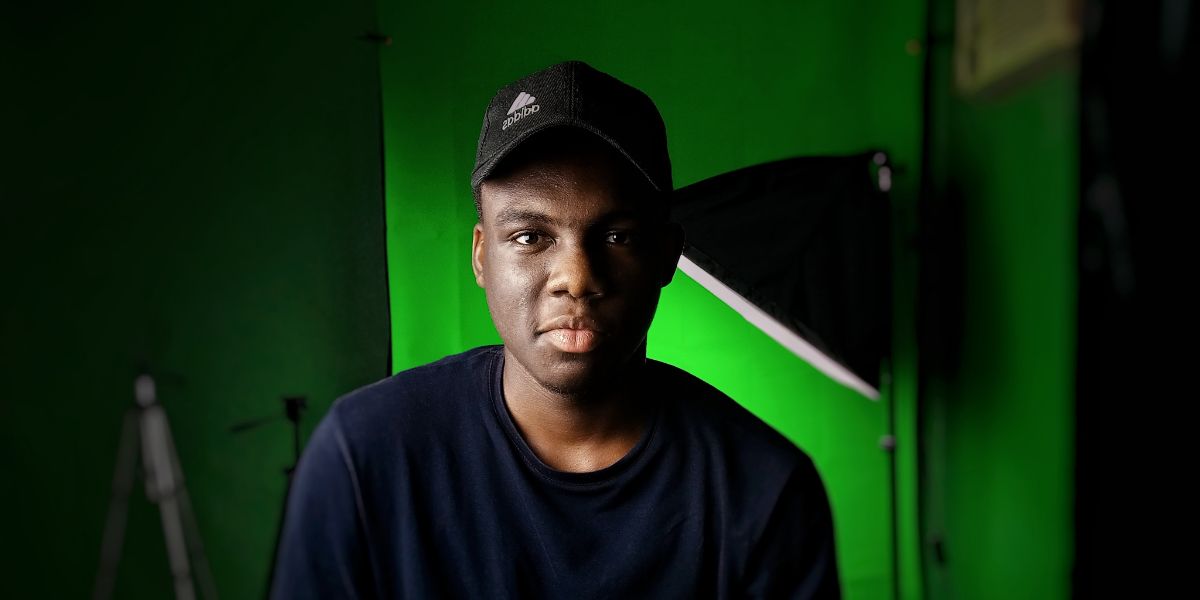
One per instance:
(521,215)
(620,215)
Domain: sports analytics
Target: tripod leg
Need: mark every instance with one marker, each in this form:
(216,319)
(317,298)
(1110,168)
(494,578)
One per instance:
(118,508)
(162,484)
(176,548)
(195,546)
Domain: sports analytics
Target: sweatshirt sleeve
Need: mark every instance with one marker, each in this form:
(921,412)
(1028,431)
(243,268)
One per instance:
(323,549)
(795,555)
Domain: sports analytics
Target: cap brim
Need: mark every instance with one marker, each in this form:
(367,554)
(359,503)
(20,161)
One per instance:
(485,168)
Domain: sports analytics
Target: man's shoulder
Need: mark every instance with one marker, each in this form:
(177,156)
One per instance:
(423,395)
(719,419)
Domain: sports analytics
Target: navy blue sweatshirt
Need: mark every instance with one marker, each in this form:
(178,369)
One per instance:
(421,486)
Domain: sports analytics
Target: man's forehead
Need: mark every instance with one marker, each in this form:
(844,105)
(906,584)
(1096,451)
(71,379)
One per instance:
(557,211)
(548,205)
(564,188)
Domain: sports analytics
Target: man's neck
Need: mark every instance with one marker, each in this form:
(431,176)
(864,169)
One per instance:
(580,432)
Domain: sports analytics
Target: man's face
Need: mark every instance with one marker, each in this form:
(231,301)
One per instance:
(572,261)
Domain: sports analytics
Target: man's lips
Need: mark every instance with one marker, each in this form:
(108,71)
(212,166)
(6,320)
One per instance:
(572,340)
(570,322)
(573,334)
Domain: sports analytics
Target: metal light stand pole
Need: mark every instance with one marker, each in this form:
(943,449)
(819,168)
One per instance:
(293,410)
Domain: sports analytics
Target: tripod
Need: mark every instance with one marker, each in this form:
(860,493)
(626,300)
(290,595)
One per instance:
(145,431)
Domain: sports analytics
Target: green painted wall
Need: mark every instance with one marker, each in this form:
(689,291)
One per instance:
(999,412)
(198,186)
(736,87)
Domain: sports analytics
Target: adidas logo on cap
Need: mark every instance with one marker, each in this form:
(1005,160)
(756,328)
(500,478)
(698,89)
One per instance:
(522,107)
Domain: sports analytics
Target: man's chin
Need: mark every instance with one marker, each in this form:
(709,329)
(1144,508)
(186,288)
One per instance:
(576,373)
(583,374)
(575,379)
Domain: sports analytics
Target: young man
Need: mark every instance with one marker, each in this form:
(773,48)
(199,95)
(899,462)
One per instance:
(563,463)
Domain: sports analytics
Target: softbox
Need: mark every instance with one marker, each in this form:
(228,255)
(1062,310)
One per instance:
(800,247)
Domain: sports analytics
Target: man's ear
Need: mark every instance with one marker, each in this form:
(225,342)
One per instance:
(672,248)
(477,254)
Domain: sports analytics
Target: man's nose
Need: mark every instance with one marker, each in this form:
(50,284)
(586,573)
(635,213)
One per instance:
(576,271)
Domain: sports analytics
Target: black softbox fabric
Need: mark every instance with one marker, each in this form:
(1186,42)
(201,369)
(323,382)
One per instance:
(806,240)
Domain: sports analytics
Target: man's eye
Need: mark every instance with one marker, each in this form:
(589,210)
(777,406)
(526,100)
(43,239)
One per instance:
(527,238)
(620,238)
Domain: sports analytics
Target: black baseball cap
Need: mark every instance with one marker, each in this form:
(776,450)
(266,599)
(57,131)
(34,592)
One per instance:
(574,94)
